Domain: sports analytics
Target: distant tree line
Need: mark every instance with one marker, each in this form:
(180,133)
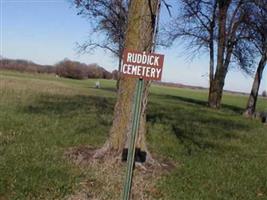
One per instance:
(65,68)
(25,66)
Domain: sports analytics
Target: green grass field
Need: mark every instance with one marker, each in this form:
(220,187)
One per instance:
(220,154)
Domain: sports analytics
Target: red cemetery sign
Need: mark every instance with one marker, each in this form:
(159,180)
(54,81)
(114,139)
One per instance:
(143,65)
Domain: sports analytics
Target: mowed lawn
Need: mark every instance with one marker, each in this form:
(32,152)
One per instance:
(219,154)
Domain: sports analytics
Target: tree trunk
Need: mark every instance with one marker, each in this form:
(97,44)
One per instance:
(251,105)
(211,75)
(216,88)
(139,37)
(119,77)
(211,47)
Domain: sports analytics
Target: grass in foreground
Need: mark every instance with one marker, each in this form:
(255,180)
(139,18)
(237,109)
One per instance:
(221,155)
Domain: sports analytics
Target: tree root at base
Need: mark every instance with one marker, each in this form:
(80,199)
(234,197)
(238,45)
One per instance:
(109,174)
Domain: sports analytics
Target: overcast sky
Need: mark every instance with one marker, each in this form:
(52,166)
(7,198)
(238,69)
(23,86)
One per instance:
(46,31)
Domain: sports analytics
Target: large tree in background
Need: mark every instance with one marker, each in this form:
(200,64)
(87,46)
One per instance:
(139,36)
(216,26)
(231,44)
(195,25)
(258,31)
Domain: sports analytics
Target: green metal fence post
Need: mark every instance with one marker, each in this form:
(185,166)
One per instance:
(133,136)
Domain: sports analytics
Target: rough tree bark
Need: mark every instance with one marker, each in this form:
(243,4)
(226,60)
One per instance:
(211,41)
(211,46)
(252,101)
(218,81)
(118,77)
(139,36)
(211,67)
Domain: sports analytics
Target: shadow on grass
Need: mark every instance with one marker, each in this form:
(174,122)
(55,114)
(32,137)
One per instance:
(194,124)
(64,105)
(235,109)
(109,89)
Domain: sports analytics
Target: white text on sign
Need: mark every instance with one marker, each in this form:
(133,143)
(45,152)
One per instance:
(142,65)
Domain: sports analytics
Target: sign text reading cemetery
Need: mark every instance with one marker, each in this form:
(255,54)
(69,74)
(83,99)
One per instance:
(142,65)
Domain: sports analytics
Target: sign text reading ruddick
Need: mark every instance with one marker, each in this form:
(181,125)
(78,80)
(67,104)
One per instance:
(142,65)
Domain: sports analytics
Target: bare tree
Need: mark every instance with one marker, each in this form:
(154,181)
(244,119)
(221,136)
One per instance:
(232,38)
(216,25)
(139,36)
(195,24)
(109,19)
(258,30)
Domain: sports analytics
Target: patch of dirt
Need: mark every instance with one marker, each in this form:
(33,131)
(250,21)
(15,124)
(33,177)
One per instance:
(80,155)
(3,198)
(106,176)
